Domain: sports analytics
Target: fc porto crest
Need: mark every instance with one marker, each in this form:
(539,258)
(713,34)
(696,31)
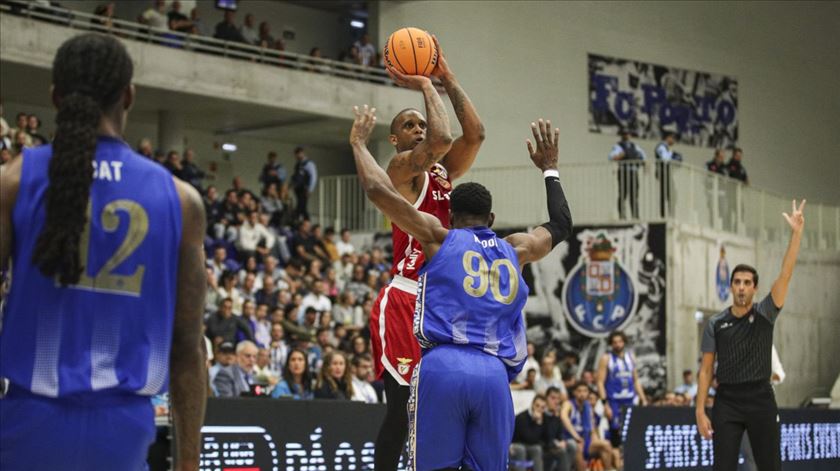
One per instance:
(598,296)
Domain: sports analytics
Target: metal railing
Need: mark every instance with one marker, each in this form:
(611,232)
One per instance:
(191,42)
(660,192)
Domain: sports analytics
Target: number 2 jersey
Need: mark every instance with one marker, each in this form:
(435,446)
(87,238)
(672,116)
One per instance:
(471,293)
(112,330)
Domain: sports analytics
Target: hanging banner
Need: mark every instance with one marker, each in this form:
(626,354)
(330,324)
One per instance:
(649,99)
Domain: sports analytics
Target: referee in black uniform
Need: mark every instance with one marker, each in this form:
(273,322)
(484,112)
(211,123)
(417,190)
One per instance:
(742,338)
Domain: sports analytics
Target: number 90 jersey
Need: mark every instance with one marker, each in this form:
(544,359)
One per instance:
(471,293)
(113,329)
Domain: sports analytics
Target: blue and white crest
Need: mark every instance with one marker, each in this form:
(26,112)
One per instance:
(599,295)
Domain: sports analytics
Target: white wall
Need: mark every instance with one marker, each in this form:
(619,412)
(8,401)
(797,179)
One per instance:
(523,60)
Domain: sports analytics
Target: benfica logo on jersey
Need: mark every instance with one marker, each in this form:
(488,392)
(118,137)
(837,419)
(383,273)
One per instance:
(598,296)
(403,366)
(440,174)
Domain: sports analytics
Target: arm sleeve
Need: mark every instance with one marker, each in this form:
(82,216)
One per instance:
(559,217)
(768,309)
(707,345)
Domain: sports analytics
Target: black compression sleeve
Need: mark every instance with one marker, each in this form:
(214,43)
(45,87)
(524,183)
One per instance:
(559,217)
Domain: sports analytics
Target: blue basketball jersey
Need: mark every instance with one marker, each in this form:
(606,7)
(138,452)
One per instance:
(471,293)
(620,383)
(581,419)
(112,330)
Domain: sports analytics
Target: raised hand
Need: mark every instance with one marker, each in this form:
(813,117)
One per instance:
(544,154)
(796,219)
(363,124)
(414,82)
(442,70)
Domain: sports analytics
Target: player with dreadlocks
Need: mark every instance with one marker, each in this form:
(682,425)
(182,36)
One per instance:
(108,264)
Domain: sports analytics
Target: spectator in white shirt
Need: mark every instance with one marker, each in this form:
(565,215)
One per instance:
(249,30)
(362,389)
(530,363)
(367,51)
(549,376)
(689,386)
(317,299)
(251,234)
(155,16)
(344,246)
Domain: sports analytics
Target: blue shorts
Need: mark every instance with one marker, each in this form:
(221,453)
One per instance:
(460,411)
(98,431)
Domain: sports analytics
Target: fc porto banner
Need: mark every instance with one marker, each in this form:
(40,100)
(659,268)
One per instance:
(649,99)
(604,278)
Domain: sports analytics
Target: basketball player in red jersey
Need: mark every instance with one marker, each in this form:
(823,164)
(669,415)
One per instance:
(426,162)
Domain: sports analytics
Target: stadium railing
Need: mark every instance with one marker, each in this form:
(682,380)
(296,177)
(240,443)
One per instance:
(697,197)
(139,32)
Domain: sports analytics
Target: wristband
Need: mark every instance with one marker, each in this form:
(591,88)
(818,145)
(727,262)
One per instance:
(552,172)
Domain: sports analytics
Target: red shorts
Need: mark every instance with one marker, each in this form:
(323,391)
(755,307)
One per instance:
(395,349)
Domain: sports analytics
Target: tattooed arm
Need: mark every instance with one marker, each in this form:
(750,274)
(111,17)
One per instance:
(465,149)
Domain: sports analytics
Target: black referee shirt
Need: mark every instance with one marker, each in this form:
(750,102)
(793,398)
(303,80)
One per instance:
(743,345)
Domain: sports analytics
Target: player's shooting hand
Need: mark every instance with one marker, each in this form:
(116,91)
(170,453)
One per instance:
(796,219)
(414,82)
(442,70)
(544,153)
(704,425)
(362,125)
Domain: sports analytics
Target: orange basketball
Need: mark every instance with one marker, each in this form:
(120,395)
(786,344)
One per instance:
(411,51)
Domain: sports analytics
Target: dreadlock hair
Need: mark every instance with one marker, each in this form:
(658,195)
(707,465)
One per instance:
(90,74)
(471,199)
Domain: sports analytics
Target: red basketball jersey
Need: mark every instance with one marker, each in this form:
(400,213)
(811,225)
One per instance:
(433,199)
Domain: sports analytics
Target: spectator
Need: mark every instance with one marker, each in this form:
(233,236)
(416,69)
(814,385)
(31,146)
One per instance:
(297,380)
(21,141)
(229,290)
(273,171)
(248,31)
(260,325)
(198,26)
(735,169)
(219,263)
(527,383)
(154,16)
(253,236)
(278,349)
(5,156)
(234,380)
(362,389)
(665,156)
(265,38)
(226,30)
(717,164)
(104,17)
(173,164)
(223,326)
(225,356)
(160,157)
(145,148)
(308,330)
(316,299)
(629,156)
(358,283)
(268,293)
(367,51)
(316,65)
(588,377)
(328,242)
(304,180)
(549,375)
(529,431)
(530,362)
(263,372)
(33,127)
(190,172)
(334,379)
(579,423)
(352,56)
(344,245)
(231,218)
(689,386)
(178,21)
(22,127)
(306,245)
(559,452)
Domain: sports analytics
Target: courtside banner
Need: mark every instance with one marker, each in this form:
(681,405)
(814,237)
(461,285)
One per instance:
(648,99)
(264,434)
(664,438)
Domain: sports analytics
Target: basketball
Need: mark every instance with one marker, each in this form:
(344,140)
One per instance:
(411,51)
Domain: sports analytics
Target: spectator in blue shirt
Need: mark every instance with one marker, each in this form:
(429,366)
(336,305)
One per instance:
(304,180)
(297,380)
(629,156)
(665,155)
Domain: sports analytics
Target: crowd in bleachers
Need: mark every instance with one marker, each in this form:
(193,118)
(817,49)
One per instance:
(158,19)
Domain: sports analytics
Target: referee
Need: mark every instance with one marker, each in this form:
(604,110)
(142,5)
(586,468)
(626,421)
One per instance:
(741,339)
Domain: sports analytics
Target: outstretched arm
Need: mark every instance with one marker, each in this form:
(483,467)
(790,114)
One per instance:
(407,165)
(704,380)
(379,189)
(796,220)
(534,245)
(464,149)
